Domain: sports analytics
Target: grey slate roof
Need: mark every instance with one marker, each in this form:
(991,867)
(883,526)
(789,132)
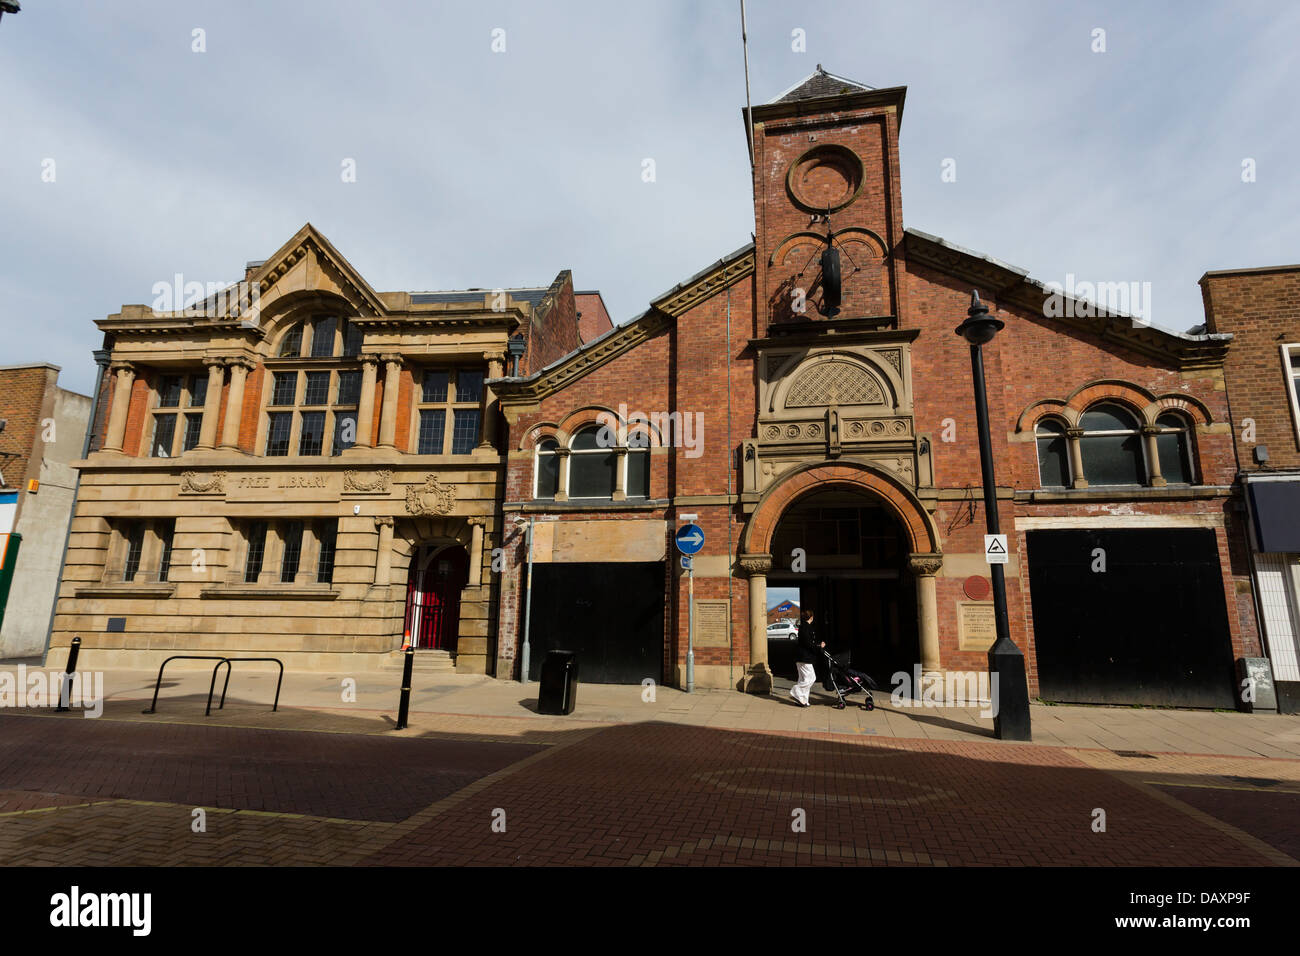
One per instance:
(820,83)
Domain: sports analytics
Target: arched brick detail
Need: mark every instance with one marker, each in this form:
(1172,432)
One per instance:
(534,436)
(1128,396)
(1195,411)
(922,535)
(582,418)
(1045,408)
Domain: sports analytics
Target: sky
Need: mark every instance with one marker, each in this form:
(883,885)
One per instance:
(495,144)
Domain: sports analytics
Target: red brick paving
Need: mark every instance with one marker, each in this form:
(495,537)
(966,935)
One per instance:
(650,793)
(1272,817)
(671,794)
(343,776)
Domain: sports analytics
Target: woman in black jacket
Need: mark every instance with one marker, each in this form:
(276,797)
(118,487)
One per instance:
(805,657)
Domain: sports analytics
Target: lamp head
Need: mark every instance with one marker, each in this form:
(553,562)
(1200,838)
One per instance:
(979,328)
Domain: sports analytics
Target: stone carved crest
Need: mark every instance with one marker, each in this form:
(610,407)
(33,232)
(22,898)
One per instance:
(376,482)
(430,498)
(192,483)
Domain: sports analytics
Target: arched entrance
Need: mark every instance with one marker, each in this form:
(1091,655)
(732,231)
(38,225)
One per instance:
(916,553)
(844,555)
(437,575)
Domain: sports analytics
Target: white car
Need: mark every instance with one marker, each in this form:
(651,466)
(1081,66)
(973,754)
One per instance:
(782,631)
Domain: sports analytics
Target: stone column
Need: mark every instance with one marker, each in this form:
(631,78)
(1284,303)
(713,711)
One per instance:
(239,368)
(1149,433)
(476,552)
(924,567)
(1076,456)
(758,680)
(562,491)
(388,413)
(272,554)
(620,474)
(384,554)
(366,405)
(125,373)
(308,555)
(489,430)
(212,403)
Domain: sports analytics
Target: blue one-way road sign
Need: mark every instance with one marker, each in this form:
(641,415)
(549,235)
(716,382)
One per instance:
(690,538)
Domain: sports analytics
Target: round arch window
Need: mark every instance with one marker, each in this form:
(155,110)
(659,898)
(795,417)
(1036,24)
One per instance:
(1173,449)
(1111,446)
(1053,454)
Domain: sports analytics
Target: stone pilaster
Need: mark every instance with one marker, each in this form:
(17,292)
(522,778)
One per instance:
(239,369)
(125,375)
(388,413)
(924,567)
(758,679)
(212,403)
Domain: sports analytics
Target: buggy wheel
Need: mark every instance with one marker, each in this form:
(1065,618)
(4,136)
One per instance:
(840,705)
(869,705)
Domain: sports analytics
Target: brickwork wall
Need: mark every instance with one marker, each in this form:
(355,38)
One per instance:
(1262,312)
(26,398)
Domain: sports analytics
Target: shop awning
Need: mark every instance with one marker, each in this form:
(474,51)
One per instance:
(1275,507)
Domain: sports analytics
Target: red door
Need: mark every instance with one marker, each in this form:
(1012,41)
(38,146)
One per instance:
(433,597)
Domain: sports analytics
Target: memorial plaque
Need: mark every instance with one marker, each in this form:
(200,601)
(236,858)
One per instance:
(712,624)
(976,625)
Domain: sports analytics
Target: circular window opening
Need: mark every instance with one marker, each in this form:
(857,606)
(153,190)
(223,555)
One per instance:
(825,179)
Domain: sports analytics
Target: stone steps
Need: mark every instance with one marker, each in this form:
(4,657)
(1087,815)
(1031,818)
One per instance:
(425,662)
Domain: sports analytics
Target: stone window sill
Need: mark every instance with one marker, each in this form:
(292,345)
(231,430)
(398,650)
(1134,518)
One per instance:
(586,504)
(127,589)
(1124,493)
(258,592)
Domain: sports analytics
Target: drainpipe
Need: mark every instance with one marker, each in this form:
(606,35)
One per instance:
(101,360)
(731,650)
(528,606)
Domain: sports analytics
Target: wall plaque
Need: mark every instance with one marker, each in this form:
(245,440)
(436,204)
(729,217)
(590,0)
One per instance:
(976,625)
(712,624)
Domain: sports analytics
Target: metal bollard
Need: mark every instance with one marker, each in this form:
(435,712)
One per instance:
(405,706)
(69,669)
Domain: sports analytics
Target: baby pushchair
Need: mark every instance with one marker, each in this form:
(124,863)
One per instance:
(842,679)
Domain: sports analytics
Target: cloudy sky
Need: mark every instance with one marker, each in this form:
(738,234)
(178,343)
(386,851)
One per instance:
(484,168)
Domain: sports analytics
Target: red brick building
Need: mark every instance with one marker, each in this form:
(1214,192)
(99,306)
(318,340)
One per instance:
(830,446)
(1260,308)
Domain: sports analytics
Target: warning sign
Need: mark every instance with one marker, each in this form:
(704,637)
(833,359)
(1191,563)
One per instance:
(995,548)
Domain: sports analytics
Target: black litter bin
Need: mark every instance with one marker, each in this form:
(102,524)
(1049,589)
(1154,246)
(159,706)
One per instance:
(559,683)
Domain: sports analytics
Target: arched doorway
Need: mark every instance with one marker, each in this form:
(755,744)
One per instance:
(437,575)
(845,554)
(872,487)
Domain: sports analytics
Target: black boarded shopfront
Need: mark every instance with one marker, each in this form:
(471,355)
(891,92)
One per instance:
(611,614)
(1152,628)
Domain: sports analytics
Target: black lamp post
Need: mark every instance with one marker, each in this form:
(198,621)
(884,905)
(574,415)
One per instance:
(1005,659)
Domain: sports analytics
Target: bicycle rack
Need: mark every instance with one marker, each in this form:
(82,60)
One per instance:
(153,707)
(212,685)
(237,660)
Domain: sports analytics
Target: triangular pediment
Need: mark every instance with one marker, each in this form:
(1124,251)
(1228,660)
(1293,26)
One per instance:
(309,264)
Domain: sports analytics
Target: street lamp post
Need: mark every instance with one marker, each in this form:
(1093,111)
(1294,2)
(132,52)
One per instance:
(1006,661)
